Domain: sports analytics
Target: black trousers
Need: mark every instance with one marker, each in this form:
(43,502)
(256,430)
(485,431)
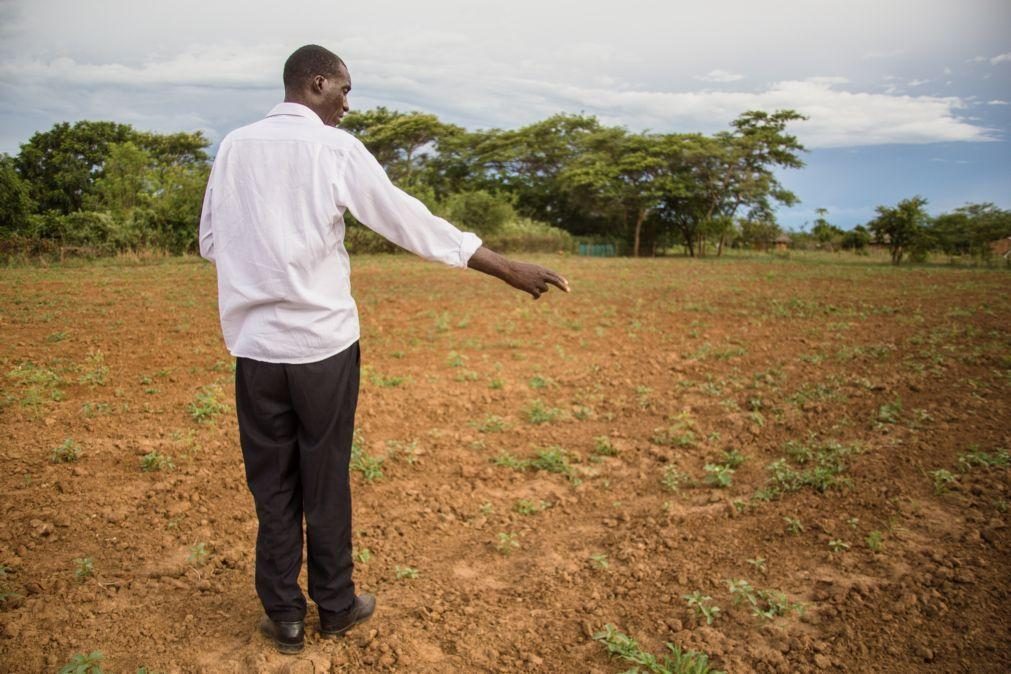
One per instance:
(296,424)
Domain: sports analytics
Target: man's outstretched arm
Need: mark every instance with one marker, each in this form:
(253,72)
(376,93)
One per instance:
(530,278)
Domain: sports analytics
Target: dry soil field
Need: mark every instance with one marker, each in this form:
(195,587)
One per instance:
(787,466)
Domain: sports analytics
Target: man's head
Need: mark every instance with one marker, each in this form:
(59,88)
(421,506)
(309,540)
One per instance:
(318,79)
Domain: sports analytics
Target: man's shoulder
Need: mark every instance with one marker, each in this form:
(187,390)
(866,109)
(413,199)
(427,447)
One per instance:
(270,129)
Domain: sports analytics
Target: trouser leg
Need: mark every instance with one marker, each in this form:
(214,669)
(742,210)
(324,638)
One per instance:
(325,396)
(269,439)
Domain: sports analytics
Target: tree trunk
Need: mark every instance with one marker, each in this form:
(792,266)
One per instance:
(639,218)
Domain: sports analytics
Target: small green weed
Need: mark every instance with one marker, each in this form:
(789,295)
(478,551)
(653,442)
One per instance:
(678,662)
(703,606)
(408,572)
(154,460)
(838,545)
(599,560)
(198,554)
(526,506)
(603,446)
(875,541)
(718,475)
(208,404)
(673,479)
(84,664)
(370,466)
(84,568)
(493,424)
(507,543)
(765,604)
(68,452)
(943,480)
(538,413)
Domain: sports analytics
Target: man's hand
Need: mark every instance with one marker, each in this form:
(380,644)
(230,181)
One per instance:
(530,278)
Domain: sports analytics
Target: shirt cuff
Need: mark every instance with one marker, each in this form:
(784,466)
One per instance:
(468,246)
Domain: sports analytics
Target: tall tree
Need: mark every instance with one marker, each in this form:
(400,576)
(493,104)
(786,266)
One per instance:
(621,173)
(901,228)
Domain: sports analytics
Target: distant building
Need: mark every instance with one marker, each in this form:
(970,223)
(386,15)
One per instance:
(782,242)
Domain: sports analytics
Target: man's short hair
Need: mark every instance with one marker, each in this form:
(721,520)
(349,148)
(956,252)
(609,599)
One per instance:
(307,62)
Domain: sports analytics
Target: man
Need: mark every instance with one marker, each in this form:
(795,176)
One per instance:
(272,223)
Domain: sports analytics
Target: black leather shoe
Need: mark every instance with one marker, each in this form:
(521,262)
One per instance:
(330,626)
(288,636)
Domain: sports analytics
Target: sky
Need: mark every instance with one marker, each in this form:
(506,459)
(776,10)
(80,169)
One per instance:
(903,97)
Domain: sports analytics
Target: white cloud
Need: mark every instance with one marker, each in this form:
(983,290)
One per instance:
(916,83)
(1001,58)
(210,84)
(720,76)
(996,102)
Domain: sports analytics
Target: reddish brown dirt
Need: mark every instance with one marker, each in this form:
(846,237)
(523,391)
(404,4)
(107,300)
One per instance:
(909,366)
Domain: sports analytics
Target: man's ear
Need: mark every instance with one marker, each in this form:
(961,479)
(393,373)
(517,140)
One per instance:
(317,84)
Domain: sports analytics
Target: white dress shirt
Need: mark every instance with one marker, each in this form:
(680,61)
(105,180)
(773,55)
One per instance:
(273,224)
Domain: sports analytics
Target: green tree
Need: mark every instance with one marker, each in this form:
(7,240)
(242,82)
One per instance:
(61,164)
(824,232)
(401,141)
(621,173)
(15,199)
(902,228)
(856,239)
(971,229)
(732,171)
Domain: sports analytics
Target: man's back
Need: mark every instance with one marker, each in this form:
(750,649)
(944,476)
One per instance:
(273,224)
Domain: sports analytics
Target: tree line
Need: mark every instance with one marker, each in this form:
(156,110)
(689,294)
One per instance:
(109,187)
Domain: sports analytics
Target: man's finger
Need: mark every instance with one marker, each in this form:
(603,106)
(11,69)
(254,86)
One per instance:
(559,282)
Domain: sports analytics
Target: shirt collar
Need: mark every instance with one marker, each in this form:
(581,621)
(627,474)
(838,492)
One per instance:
(296,109)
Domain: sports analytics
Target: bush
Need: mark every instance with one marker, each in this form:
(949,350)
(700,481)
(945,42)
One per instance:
(529,236)
(480,212)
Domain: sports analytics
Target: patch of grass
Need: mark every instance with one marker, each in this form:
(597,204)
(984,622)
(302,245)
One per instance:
(875,541)
(507,460)
(552,459)
(890,413)
(793,525)
(766,604)
(538,413)
(208,404)
(154,461)
(68,452)
(818,466)
(733,458)
(370,466)
(538,381)
(492,424)
(997,459)
(525,506)
(622,646)
(97,372)
(603,446)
